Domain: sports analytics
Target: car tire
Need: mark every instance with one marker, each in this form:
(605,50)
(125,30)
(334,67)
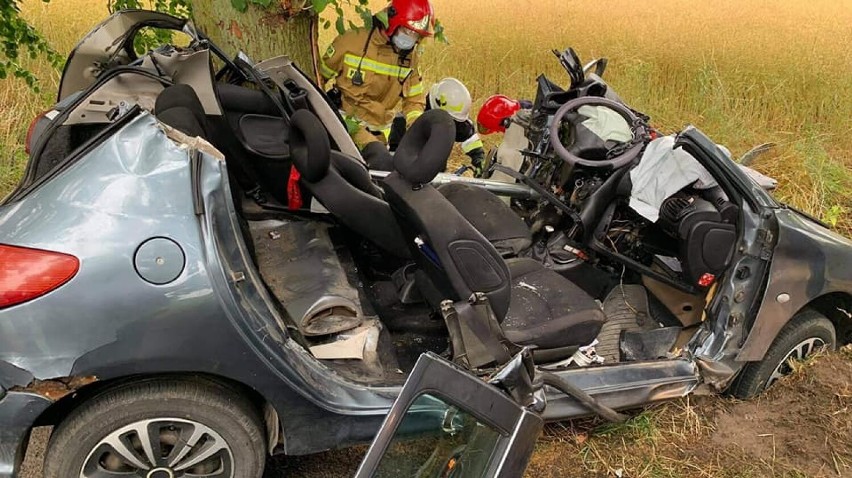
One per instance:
(806,333)
(193,426)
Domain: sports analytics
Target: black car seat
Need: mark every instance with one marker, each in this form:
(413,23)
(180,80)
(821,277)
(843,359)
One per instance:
(179,107)
(535,306)
(488,214)
(343,187)
(252,133)
(348,192)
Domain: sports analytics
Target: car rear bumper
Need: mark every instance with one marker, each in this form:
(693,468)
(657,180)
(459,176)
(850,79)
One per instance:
(18,412)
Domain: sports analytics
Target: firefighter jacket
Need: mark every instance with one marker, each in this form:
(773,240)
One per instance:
(373,79)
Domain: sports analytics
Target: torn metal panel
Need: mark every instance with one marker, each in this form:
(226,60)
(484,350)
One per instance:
(196,143)
(715,374)
(12,376)
(57,388)
(106,44)
(623,386)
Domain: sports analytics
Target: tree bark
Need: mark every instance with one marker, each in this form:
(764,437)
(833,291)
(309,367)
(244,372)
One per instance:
(284,28)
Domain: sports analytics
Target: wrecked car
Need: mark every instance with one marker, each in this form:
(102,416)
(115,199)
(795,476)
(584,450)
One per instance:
(199,269)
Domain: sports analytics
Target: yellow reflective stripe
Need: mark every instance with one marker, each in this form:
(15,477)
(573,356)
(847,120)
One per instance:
(367,64)
(442,102)
(415,90)
(472,143)
(413,115)
(327,71)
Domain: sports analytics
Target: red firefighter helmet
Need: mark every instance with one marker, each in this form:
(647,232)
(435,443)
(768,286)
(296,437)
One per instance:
(495,112)
(416,15)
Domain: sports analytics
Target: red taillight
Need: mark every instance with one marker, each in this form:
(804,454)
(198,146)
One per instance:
(31,130)
(29,273)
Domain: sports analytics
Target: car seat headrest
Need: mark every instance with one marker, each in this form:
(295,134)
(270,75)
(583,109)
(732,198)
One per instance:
(178,96)
(377,156)
(425,148)
(179,107)
(310,148)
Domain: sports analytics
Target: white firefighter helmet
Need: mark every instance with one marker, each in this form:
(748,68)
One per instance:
(451,96)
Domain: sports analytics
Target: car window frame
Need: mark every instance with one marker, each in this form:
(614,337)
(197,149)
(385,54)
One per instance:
(518,427)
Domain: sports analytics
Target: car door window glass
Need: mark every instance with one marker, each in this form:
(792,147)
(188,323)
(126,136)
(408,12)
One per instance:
(438,440)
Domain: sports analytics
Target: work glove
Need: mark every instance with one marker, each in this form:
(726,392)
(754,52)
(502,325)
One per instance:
(397,131)
(477,160)
(336,97)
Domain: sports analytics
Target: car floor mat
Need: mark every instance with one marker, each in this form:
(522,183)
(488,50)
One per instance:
(648,344)
(626,309)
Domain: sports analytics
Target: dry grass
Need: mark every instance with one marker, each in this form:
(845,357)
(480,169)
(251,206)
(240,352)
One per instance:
(63,22)
(744,72)
(800,428)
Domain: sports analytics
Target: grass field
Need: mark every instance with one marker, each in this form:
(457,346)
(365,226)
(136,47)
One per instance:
(745,73)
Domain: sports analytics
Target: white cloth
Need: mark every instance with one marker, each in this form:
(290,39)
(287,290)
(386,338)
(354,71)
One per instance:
(662,172)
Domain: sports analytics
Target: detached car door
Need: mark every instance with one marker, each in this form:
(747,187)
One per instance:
(447,423)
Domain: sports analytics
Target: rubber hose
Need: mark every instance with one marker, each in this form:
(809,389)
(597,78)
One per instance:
(557,382)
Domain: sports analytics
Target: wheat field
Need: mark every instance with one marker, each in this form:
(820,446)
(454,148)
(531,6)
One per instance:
(745,73)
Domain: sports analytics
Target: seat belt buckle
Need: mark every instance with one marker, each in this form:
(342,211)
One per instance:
(256,194)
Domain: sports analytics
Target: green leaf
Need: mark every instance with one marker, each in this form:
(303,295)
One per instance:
(262,3)
(240,5)
(366,16)
(382,17)
(439,33)
(319,5)
(339,25)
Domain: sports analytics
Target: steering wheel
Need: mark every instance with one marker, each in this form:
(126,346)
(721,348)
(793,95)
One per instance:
(638,128)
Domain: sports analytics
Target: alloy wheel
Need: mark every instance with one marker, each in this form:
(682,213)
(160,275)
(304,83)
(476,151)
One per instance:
(803,350)
(160,448)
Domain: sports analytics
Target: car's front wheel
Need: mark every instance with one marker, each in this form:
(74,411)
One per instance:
(807,333)
(160,429)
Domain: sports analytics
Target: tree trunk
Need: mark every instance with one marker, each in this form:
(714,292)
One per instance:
(284,28)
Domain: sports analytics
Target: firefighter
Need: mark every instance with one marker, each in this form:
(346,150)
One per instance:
(374,70)
(501,114)
(453,97)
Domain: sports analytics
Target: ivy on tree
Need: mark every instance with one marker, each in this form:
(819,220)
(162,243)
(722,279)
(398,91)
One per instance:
(18,40)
